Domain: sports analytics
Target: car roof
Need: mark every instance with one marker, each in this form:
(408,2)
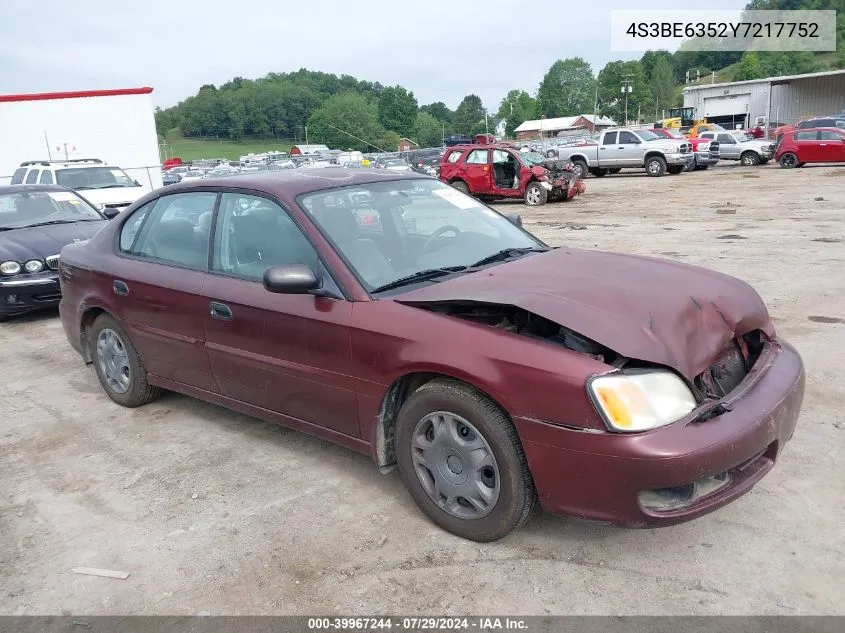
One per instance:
(7,189)
(827,128)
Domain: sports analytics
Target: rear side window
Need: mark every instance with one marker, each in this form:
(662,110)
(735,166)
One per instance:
(32,177)
(477,157)
(46,177)
(609,139)
(17,177)
(454,157)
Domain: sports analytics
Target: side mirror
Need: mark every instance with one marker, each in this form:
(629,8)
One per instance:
(293,279)
(111,213)
(514,218)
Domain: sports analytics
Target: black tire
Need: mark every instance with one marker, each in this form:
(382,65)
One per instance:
(599,173)
(749,159)
(789,161)
(551,153)
(581,167)
(674,170)
(517,498)
(535,194)
(461,186)
(693,165)
(655,166)
(140,391)
(702,167)
(615,170)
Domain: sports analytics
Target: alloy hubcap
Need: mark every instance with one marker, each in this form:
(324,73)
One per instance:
(654,167)
(455,465)
(533,196)
(113,361)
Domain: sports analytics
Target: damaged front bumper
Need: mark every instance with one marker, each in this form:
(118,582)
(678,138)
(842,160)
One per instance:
(678,472)
(566,188)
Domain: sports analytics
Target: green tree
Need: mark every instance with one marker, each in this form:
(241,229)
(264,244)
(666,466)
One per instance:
(517,107)
(749,67)
(428,131)
(343,117)
(662,84)
(397,110)
(567,89)
(469,116)
(439,111)
(612,99)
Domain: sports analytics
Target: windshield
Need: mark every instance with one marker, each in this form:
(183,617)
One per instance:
(741,137)
(19,210)
(533,158)
(647,136)
(390,230)
(93,178)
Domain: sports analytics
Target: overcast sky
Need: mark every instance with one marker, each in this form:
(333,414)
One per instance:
(441,50)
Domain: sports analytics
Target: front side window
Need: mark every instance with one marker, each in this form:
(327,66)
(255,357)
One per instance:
(438,227)
(46,177)
(253,234)
(805,136)
(830,135)
(93,178)
(627,138)
(727,139)
(176,230)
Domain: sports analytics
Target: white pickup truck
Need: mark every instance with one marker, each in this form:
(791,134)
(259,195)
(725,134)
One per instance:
(622,148)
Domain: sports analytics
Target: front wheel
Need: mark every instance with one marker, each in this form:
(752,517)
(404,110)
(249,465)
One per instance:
(789,161)
(749,159)
(535,194)
(462,461)
(674,170)
(580,167)
(655,166)
(118,365)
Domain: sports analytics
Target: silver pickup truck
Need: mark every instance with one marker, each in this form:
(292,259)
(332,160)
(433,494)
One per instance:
(622,148)
(738,146)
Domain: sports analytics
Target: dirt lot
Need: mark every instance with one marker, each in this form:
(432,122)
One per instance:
(214,512)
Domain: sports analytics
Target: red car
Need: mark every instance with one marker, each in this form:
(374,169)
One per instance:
(499,170)
(496,373)
(817,145)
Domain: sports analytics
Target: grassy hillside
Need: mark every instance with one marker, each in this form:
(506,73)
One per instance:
(827,61)
(189,149)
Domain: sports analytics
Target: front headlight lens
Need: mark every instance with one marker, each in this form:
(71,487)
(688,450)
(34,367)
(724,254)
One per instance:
(672,148)
(33,266)
(641,401)
(10,268)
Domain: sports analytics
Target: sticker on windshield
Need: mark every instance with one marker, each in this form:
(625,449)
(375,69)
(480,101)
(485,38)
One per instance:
(457,198)
(63,196)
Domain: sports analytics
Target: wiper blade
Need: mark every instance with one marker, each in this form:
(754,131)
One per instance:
(422,275)
(112,186)
(29,226)
(507,253)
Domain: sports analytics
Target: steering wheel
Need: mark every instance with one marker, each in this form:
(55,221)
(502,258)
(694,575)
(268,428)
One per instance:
(443,229)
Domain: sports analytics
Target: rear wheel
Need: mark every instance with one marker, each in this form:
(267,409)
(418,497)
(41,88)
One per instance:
(119,368)
(702,167)
(598,173)
(749,159)
(463,464)
(789,161)
(655,166)
(535,194)
(551,153)
(461,186)
(581,167)
(674,170)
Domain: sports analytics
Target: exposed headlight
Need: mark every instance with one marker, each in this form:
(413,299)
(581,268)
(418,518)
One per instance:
(34,266)
(640,401)
(10,268)
(703,147)
(672,148)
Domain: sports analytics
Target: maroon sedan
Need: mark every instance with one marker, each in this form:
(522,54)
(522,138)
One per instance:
(394,315)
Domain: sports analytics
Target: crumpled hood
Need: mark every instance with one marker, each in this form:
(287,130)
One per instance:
(43,241)
(648,309)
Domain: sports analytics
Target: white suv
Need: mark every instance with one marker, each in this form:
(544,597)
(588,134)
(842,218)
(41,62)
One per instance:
(106,186)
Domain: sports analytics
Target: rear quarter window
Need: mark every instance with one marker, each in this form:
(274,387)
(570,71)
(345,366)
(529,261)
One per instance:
(17,177)
(454,157)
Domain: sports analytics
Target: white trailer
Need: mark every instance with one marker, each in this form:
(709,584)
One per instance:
(116,126)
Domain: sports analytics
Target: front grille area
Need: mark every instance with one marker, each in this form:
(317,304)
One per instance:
(726,372)
(714,147)
(52,262)
(685,148)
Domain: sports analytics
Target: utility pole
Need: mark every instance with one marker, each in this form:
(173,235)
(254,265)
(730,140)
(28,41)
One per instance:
(627,88)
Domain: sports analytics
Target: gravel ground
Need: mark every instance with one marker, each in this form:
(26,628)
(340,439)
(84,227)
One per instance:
(215,512)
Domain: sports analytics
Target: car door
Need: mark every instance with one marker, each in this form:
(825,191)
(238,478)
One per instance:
(609,151)
(478,171)
(290,354)
(831,146)
(807,146)
(728,146)
(631,149)
(156,285)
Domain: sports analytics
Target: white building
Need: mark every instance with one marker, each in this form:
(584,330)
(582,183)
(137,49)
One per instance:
(116,126)
(775,99)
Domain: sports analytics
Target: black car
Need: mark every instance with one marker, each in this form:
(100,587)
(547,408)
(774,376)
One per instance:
(36,221)
(169,178)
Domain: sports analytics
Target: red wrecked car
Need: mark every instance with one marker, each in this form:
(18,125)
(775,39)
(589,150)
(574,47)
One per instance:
(498,374)
(499,170)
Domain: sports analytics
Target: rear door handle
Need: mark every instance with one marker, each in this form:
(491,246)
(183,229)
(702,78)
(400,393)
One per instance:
(220,311)
(120,288)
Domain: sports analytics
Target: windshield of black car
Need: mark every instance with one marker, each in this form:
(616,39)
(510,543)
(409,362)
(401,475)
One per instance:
(93,178)
(392,229)
(18,210)
(647,136)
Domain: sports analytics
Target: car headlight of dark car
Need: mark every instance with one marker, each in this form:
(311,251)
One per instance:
(10,268)
(641,400)
(33,266)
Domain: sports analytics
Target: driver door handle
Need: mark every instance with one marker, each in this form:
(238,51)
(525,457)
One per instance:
(220,311)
